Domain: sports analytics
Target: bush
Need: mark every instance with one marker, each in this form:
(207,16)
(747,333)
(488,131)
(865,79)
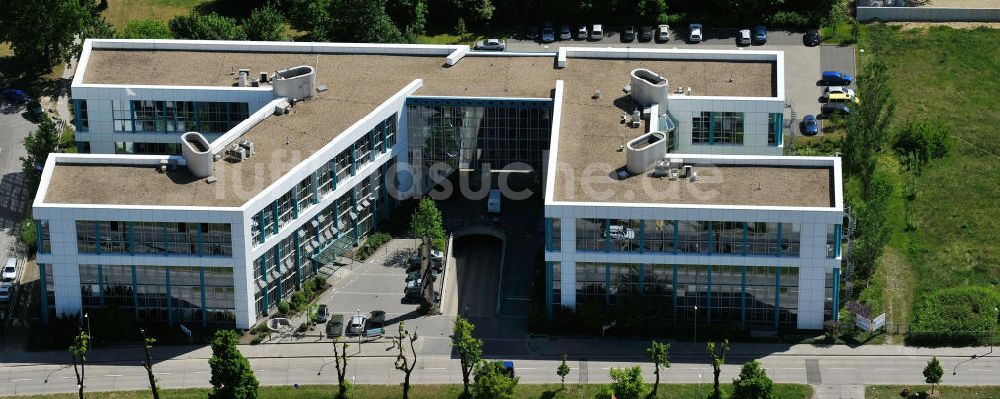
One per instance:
(925,140)
(283,307)
(146,29)
(626,383)
(372,244)
(28,236)
(957,315)
(493,382)
(788,19)
(753,383)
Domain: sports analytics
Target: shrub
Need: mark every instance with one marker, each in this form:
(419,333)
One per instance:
(373,243)
(493,382)
(626,383)
(753,383)
(28,236)
(299,299)
(923,139)
(283,307)
(788,19)
(304,326)
(957,315)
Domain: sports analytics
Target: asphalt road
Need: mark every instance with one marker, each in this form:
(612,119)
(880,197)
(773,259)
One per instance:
(14,127)
(835,371)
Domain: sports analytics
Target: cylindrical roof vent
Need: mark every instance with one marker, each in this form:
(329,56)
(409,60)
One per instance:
(649,88)
(197,154)
(296,83)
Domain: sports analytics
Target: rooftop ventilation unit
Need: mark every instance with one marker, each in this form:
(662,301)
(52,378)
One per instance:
(649,88)
(298,82)
(244,77)
(197,154)
(643,151)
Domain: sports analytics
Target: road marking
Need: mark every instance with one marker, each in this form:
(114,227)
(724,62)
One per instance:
(841,368)
(793,368)
(526,368)
(986,370)
(113,375)
(21,379)
(435,368)
(164,373)
(888,369)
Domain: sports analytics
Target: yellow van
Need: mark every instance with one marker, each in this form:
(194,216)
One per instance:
(842,98)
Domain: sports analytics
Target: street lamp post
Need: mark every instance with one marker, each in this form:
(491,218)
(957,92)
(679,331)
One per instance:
(696,323)
(86,317)
(993,326)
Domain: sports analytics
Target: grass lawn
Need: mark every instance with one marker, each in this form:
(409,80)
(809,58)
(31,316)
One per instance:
(949,76)
(547,391)
(948,392)
(840,34)
(121,12)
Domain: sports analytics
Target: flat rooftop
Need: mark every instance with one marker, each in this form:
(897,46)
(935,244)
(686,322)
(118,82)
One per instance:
(357,85)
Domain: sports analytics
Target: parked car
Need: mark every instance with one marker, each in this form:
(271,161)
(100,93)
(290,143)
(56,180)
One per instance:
(743,37)
(491,45)
(335,327)
(356,326)
(6,291)
(830,109)
(322,313)
(810,126)
(581,33)
(759,35)
(596,32)
(9,270)
(437,256)
(811,39)
(645,33)
(840,89)
(628,34)
(694,33)
(412,291)
(531,32)
(836,78)
(16,96)
(565,33)
(663,33)
(842,98)
(548,34)
(35,110)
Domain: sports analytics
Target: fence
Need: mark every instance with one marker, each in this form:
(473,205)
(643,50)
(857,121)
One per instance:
(928,14)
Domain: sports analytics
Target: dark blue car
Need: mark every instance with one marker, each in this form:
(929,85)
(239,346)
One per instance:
(810,126)
(16,96)
(759,35)
(836,78)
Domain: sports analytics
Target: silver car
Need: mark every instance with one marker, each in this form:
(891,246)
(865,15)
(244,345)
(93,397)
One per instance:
(491,45)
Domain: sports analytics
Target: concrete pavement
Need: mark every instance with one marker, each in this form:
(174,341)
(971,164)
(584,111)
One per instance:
(836,371)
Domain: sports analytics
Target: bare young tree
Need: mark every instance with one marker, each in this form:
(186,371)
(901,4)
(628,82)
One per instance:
(78,351)
(147,346)
(718,359)
(340,362)
(405,362)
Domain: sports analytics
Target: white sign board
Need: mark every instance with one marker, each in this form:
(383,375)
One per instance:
(879,322)
(862,322)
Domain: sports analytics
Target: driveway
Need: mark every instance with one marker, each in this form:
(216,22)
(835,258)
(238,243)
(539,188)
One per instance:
(13,193)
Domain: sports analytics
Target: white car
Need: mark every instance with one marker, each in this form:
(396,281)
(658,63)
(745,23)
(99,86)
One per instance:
(6,291)
(663,33)
(356,326)
(581,34)
(840,89)
(695,33)
(491,45)
(9,271)
(743,38)
(596,32)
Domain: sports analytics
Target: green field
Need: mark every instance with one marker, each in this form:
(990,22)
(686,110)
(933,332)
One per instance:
(948,392)
(121,12)
(547,391)
(949,76)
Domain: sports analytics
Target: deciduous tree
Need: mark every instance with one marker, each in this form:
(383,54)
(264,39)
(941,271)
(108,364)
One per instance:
(146,29)
(147,363)
(232,377)
(493,381)
(38,145)
(659,354)
(265,24)
(210,26)
(469,348)
(718,354)
(562,371)
(426,220)
(340,362)
(78,351)
(933,373)
(405,362)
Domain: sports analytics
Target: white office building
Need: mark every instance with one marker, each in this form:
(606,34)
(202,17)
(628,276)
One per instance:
(215,177)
